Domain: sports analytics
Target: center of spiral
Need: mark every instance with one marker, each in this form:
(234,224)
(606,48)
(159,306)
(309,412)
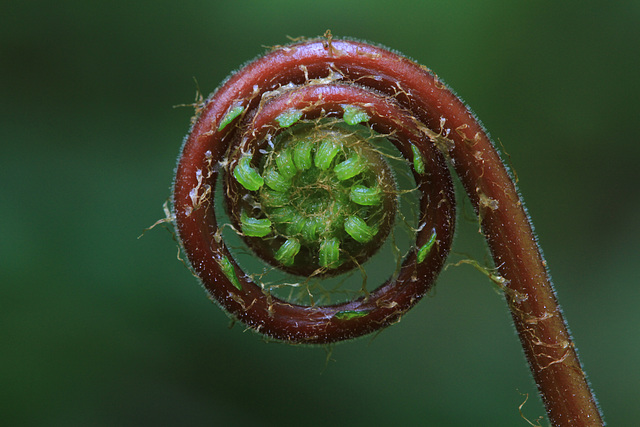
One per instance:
(320,202)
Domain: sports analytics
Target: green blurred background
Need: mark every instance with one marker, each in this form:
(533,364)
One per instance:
(99,328)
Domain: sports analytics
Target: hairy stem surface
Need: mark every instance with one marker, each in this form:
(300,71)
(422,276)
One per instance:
(364,85)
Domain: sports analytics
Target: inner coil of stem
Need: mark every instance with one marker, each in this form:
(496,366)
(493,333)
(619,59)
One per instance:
(308,203)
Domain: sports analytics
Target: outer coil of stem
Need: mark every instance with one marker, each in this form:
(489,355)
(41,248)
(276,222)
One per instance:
(395,96)
(311,93)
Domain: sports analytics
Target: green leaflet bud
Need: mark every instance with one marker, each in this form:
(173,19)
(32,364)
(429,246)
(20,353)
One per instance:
(254,227)
(284,215)
(326,152)
(354,115)
(310,230)
(418,163)
(227,268)
(288,251)
(351,314)
(329,253)
(365,196)
(351,167)
(296,225)
(289,117)
(285,163)
(247,176)
(229,116)
(276,181)
(302,155)
(358,229)
(426,248)
(274,199)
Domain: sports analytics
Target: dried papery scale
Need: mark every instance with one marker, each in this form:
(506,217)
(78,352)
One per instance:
(372,88)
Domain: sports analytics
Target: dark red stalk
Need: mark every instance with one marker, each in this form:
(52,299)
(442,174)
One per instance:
(405,98)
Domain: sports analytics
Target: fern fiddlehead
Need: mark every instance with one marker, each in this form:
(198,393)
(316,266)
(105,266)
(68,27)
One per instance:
(292,160)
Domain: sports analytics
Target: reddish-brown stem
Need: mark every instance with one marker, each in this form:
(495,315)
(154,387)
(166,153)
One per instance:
(317,77)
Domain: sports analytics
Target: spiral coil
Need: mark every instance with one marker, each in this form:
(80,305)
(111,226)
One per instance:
(327,82)
(327,221)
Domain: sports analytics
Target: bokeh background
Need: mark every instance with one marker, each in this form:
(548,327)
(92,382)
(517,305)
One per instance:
(99,328)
